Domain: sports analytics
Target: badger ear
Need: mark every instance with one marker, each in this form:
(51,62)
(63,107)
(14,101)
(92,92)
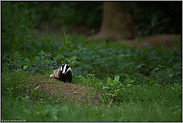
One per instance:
(68,65)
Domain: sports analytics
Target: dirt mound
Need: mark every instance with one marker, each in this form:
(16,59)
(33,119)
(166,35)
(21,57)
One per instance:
(67,92)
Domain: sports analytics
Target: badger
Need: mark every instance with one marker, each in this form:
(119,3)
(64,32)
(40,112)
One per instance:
(63,73)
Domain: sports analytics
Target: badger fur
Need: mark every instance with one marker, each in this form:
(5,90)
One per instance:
(63,73)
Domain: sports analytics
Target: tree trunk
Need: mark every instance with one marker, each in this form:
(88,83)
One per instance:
(116,24)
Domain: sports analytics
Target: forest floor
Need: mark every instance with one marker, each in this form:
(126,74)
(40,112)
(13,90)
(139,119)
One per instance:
(81,94)
(167,40)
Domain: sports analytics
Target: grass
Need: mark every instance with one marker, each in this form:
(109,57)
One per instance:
(154,110)
(138,103)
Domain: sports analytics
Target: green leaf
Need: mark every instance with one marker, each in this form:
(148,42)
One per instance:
(139,66)
(116,79)
(109,80)
(173,88)
(155,69)
(104,87)
(26,98)
(36,87)
(101,98)
(129,85)
(25,67)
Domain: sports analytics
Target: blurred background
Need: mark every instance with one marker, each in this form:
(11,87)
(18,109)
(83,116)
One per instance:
(26,21)
(149,18)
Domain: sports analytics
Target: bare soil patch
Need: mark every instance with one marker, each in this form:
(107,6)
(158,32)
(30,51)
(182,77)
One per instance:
(167,41)
(78,29)
(67,92)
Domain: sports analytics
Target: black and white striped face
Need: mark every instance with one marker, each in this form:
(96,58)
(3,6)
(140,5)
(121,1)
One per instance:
(63,73)
(65,69)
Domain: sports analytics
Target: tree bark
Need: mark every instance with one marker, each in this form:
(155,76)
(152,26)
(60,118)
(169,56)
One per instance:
(116,24)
